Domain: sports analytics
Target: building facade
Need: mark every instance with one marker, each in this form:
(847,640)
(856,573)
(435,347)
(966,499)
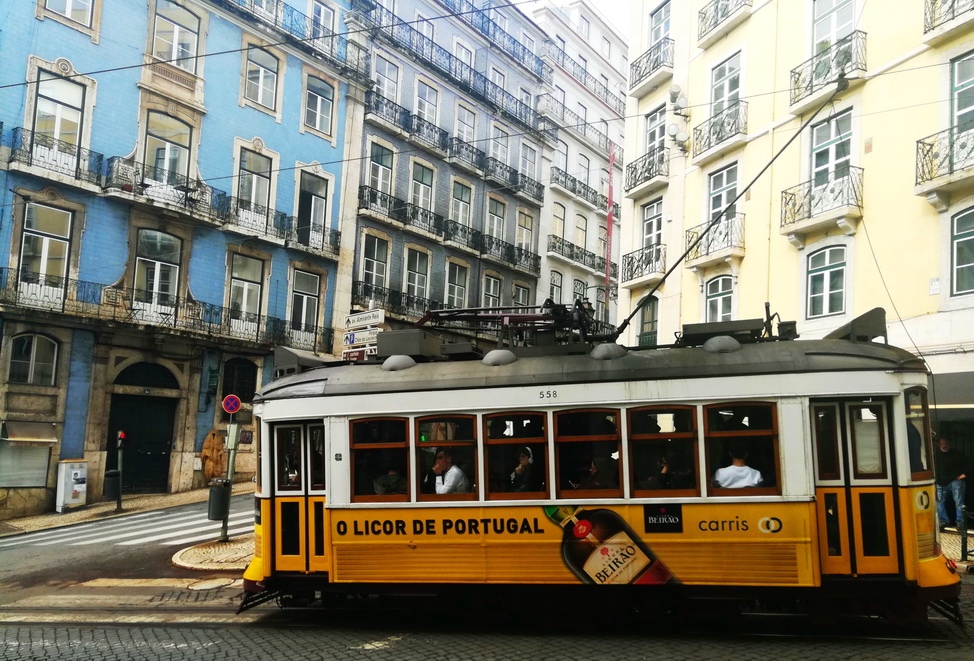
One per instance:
(784,184)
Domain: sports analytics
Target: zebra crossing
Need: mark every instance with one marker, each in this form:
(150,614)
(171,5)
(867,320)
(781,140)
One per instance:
(163,528)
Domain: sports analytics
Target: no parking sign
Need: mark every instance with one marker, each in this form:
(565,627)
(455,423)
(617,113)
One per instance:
(231,404)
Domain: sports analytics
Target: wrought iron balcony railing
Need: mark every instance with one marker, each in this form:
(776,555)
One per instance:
(467,154)
(647,339)
(416,216)
(578,254)
(658,56)
(945,153)
(729,122)
(391,300)
(378,202)
(726,234)
(501,172)
(548,103)
(428,133)
(581,74)
(257,219)
(196,198)
(462,234)
(643,262)
(583,191)
(306,33)
(140,307)
(392,112)
(313,236)
(846,55)
(715,12)
(507,252)
(655,163)
(43,151)
(938,12)
(839,188)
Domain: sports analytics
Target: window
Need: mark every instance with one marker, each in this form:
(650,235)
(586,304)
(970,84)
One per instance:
(604,240)
(176,35)
(461,203)
(663,447)
(33,359)
(659,22)
(581,231)
(584,165)
(44,254)
(498,144)
(528,42)
(583,27)
(158,256)
(656,130)
(867,423)
(554,287)
(583,63)
(963,98)
(422,192)
(322,20)
(578,290)
(653,223)
(386,78)
(826,282)
(524,96)
(288,458)
(304,305)
(246,276)
(560,41)
(918,434)
(254,189)
(312,210)
(380,459)
(426,102)
(561,156)
(464,54)
(558,220)
(376,254)
(425,27)
(742,448)
(649,323)
(57,123)
(522,296)
(495,218)
(446,449)
(167,149)
(319,104)
(417,272)
(606,48)
(831,141)
(380,169)
(834,20)
(962,243)
(583,116)
(723,189)
(492,291)
(497,77)
(261,86)
(516,446)
(525,231)
(720,295)
(587,453)
(456,288)
(726,85)
(466,123)
(529,160)
(78,11)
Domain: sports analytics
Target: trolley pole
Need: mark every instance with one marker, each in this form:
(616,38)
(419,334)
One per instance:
(118,495)
(233,433)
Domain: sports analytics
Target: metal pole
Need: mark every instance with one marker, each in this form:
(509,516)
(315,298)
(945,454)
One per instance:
(233,433)
(118,494)
(962,525)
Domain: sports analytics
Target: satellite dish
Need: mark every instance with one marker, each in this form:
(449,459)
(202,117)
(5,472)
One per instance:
(680,103)
(675,92)
(681,137)
(672,130)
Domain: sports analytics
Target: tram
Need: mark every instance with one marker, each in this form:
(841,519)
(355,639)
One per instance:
(735,465)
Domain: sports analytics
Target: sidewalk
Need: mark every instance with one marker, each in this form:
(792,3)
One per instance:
(233,555)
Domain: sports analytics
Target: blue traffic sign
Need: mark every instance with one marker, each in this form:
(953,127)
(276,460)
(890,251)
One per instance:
(231,403)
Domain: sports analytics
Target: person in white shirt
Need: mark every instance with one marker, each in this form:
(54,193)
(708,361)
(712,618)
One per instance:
(738,474)
(448,478)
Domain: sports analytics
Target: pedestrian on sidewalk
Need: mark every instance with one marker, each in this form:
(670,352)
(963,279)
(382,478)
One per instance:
(950,470)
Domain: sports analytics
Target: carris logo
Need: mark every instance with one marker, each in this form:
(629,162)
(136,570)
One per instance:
(923,500)
(770,524)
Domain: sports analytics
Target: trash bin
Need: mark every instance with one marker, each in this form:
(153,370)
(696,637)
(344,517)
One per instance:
(219,504)
(112,485)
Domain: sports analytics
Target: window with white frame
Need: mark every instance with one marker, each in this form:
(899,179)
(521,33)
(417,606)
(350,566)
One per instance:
(386,78)
(466,124)
(422,190)
(167,149)
(529,160)
(834,20)
(380,168)
(33,359)
(554,287)
(826,282)
(426,98)
(176,35)
(558,220)
(492,292)
(58,128)
(322,20)
(581,230)
(462,196)
(499,144)
(254,182)
(78,11)
(962,101)
(720,298)
(578,290)
(497,77)
(602,305)
(606,48)
(604,240)
(649,323)
(44,253)
(583,116)
(962,257)
(583,62)
(653,223)
(246,279)
(524,96)
(312,210)
(723,189)
(584,165)
(656,130)
(725,89)
(417,272)
(584,27)
(261,85)
(525,230)
(522,296)
(560,95)
(157,262)
(375,261)
(304,302)
(495,218)
(659,24)
(528,42)
(319,104)
(456,285)
(464,54)
(560,41)
(831,152)
(425,27)
(561,156)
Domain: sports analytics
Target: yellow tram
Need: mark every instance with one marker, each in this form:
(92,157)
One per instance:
(733,465)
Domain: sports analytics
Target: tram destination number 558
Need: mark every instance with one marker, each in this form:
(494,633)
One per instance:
(548,394)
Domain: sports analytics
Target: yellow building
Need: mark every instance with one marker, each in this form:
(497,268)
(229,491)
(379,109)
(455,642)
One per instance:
(825,197)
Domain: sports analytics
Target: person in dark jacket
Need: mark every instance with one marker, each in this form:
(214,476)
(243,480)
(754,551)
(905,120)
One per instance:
(950,470)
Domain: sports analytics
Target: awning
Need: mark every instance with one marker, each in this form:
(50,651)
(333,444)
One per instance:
(952,395)
(34,433)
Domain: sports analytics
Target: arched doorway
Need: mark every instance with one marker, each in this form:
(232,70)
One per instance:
(147,421)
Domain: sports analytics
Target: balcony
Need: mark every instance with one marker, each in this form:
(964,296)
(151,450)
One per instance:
(416,217)
(579,255)
(647,339)
(88,301)
(945,165)
(549,105)
(305,33)
(814,80)
(513,181)
(467,156)
(582,192)
(718,18)
(652,68)
(724,132)
(385,113)
(312,236)
(385,207)
(37,150)
(581,74)
(462,236)
(429,135)
(645,266)
(149,185)
(648,173)
(507,253)
(945,19)
(252,219)
(399,303)
(723,243)
(832,200)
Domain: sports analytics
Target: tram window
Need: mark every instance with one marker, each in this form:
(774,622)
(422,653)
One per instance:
(869,449)
(587,454)
(516,455)
(287,458)
(380,459)
(742,448)
(316,456)
(918,434)
(663,445)
(825,425)
(449,439)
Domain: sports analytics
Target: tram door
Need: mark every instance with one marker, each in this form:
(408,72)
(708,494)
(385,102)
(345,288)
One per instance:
(299,503)
(854,488)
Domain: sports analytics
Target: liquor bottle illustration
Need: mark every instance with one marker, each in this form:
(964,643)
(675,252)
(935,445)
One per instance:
(600,548)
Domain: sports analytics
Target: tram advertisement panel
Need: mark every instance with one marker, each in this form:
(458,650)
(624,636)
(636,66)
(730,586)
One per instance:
(597,544)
